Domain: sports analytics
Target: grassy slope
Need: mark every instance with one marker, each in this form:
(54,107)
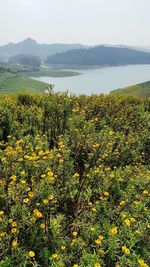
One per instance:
(142,90)
(53,73)
(10,82)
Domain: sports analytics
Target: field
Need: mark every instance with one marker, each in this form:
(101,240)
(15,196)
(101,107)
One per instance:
(74,181)
(10,83)
(53,73)
(29,71)
(142,90)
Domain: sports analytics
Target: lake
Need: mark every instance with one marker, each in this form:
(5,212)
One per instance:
(100,80)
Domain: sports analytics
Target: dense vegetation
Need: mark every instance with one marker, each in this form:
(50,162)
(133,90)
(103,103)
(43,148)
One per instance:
(74,181)
(26,60)
(142,90)
(101,55)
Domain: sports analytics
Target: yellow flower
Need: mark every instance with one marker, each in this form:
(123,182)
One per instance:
(42,225)
(125,250)
(55,256)
(45,201)
(138,232)
(23,182)
(122,203)
(51,197)
(127,222)
(114,230)
(142,263)
(132,220)
(14,243)
(94,209)
(2,234)
(30,194)
(97,265)
(106,194)
(75,265)
(101,237)
(23,173)
(13,230)
(145,192)
(98,241)
(76,175)
(37,213)
(63,247)
(43,175)
(1,212)
(117,265)
(31,254)
(92,229)
(14,224)
(101,252)
(26,200)
(74,233)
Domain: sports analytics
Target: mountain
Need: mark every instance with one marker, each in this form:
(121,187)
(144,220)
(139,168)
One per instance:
(100,55)
(31,47)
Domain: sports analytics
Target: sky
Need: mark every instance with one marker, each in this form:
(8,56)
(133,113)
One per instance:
(76,21)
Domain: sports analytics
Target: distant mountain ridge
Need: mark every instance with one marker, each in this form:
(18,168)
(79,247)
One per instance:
(31,47)
(101,56)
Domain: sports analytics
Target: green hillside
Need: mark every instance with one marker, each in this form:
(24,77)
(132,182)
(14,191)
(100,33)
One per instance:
(10,82)
(142,90)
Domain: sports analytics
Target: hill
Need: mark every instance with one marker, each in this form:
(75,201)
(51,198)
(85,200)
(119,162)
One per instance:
(31,47)
(142,90)
(101,56)
(10,83)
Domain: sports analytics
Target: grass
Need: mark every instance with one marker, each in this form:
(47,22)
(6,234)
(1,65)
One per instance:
(53,73)
(142,90)
(10,82)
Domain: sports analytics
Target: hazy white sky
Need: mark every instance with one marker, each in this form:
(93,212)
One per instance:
(76,21)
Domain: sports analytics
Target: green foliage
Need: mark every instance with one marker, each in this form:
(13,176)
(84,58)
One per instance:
(74,181)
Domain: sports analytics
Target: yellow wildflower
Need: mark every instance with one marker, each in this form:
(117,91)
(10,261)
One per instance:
(13,230)
(101,252)
(74,233)
(76,175)
(106,194)
(127,222)
(142,263)
(14,243)
(26,200)
(100,237)
(98,241)
(55,256)
(45,201)
(125,250)
(145,192)
(31,254)
(42,225)
(97,265)
(114,230)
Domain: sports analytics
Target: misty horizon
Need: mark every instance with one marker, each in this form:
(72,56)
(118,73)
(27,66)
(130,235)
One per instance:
(78,42)
(82,21)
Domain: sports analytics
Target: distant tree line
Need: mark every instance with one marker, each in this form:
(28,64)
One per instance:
(26,60)
(100,55)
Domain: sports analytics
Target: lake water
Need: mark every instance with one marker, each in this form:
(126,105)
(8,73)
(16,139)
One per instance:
(101,80)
